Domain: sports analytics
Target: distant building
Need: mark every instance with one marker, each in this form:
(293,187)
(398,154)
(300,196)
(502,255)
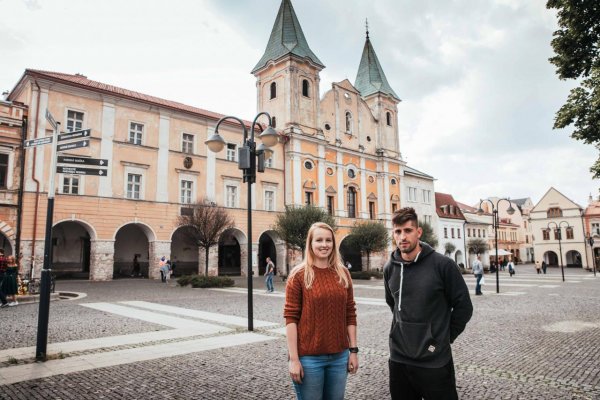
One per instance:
(450,227)
(556,210)
(419,193)
(508,230)
(525,234)
(592,230)
(476,228)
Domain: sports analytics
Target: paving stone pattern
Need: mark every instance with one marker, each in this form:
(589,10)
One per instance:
(508,350)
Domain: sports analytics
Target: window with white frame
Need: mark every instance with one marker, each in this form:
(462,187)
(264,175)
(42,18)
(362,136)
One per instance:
(269,200)
(136,133)
(70,184)
(231,196)
(231,152)
(3,171)
(187,191)
(269,162)
(187,143)
(134,186)
(426,196)
(595,228)
(412,194)
(74,120)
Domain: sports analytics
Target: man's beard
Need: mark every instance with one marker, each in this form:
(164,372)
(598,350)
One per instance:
(408,249)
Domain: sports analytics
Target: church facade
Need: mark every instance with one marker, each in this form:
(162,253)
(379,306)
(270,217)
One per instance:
(339,151)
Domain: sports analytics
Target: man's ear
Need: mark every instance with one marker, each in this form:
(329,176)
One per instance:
(419,232)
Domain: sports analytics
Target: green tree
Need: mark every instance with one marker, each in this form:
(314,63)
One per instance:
(477,246)
(203,224)
(428,235)
(576,46)
(449,248)
(293,225)
(369,237)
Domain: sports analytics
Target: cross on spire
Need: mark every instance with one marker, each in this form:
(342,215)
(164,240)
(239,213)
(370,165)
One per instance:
(367,26)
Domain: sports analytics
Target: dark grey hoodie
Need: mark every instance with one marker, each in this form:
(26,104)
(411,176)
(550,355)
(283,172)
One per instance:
(431,306)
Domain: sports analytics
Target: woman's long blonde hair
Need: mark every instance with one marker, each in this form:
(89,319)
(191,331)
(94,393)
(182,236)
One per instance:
(334,258)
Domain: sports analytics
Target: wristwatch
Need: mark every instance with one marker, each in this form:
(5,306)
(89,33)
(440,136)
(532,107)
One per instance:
(353,349)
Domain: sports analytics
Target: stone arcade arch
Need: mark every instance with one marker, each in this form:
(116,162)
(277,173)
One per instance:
(184,253)
(271,245)
(71,249)
(458,257)
(233,254)
(6,244)
(351,255)
(551,259)
(573,259)
(131,239)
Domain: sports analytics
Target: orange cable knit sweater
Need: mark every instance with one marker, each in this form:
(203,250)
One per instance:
(322,312)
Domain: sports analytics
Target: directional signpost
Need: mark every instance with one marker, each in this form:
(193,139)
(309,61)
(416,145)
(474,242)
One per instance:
(73,145)
(101,162)
(81,170)
(38,141)
(74,135)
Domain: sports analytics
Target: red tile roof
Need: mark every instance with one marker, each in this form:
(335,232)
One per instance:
(83,82)
(465,207)
(443,199)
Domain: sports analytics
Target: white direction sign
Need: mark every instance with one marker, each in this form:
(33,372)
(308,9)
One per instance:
(38,141)
(51,119)
(73,145)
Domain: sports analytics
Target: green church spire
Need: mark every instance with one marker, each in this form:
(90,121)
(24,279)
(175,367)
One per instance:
(370,78)
(287,38)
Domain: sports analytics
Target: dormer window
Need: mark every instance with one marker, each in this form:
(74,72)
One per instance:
(388,118)
(305,88)
(273,90)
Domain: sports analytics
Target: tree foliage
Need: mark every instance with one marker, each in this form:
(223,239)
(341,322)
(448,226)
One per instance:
(204,224)
(428,235)
(577,56)
(477,246)
(369,237)
(293,225)
(449,248)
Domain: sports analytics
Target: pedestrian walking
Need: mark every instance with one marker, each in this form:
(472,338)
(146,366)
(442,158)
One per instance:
(136,266)
(269,272)
(10,287)
(478,272)
(162,265)
(320,315)
(538,267)
(544,266)
(511,268)
(431,306)
(3,265)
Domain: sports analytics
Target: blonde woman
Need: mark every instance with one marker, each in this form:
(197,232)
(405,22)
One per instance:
(320,315)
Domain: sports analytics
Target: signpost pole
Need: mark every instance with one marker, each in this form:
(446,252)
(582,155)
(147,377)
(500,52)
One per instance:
(44,309)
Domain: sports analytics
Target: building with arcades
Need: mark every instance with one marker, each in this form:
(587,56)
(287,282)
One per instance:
(339,151)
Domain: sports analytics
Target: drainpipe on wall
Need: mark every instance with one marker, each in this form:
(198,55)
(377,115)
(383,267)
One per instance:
(21,188)
(585,243)
(37,183)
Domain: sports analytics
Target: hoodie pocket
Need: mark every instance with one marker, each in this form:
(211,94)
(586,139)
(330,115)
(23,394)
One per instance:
(414,340)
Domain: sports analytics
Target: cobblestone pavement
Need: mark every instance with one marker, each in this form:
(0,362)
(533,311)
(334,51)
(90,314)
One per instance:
(538,339)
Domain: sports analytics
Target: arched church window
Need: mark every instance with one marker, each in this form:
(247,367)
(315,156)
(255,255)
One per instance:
(351,202)
(305,88)
(348,122)
(388,117)
(273,90)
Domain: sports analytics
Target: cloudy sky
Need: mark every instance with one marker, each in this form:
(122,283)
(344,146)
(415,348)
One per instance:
(478,94)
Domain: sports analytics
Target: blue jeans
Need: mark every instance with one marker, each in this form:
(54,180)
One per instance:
(478,286)
(324,377)
(269,282)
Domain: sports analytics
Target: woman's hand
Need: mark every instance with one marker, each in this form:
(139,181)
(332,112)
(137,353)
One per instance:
(353,363)
(296,371)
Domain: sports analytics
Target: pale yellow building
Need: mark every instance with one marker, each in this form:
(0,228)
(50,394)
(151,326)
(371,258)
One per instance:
(339,152)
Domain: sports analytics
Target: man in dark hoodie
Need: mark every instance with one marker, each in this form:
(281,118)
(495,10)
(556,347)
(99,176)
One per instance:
(431,306)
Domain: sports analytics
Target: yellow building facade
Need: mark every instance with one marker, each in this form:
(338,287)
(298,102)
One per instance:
(339,151)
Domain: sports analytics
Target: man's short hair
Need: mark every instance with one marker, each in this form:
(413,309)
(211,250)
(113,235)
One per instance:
(404,215)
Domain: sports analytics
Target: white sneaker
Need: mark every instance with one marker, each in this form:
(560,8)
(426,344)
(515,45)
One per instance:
(12,304)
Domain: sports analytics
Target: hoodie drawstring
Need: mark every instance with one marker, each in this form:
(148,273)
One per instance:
(400,289)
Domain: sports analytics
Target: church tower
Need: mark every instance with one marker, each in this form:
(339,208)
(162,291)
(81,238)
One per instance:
(287,76)
(381,98)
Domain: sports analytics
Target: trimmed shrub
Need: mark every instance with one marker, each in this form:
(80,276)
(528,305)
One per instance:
(200,281)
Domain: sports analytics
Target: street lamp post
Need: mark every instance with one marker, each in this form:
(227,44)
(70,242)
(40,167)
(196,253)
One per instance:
(247,161)
(590,240)
(495,226)
(559,235)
